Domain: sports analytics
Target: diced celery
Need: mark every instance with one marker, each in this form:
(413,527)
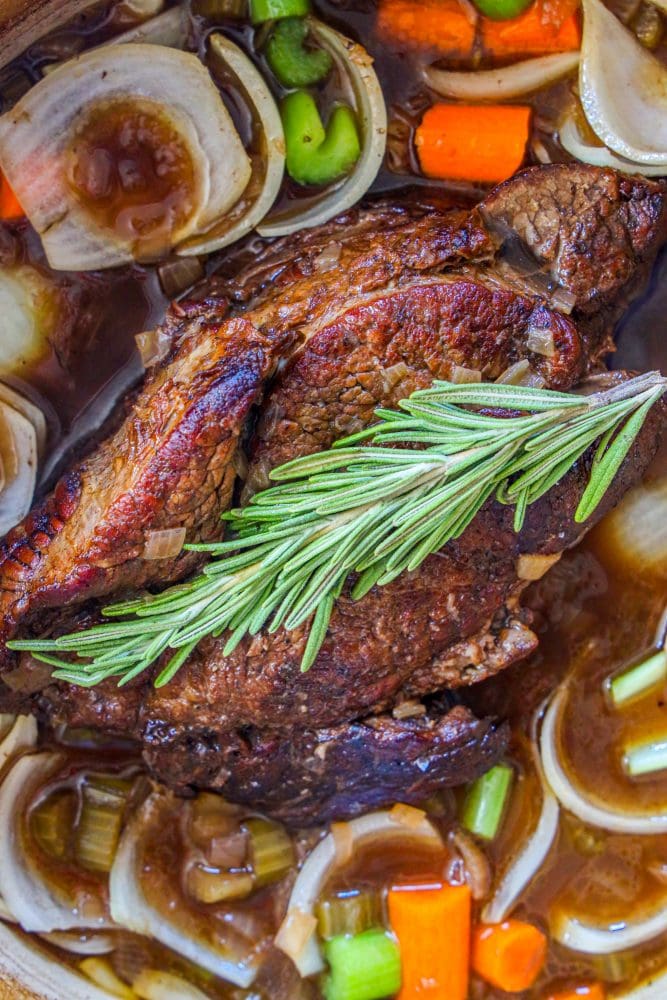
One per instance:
(348,913)
(364,967)
(485,802)
(271,850)
(100,823)
(639,679)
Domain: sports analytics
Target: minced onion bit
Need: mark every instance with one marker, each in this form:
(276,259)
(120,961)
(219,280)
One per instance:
(297,934)
(623,88)
(57,151)
(583,804)
(365,94)
(166,543)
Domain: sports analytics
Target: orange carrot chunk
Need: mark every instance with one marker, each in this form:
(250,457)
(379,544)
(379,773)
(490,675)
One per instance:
(432,925)
(530,34)
(592,991)
(439,25)
(508,955)
(470,142)
(10,207)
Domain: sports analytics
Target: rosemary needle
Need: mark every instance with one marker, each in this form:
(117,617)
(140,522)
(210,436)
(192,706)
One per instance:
(364,507)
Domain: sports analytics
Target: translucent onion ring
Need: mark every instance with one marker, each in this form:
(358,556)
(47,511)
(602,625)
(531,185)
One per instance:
(585,808)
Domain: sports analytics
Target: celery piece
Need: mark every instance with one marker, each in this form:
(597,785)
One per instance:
(348,913)
(271,850)
(639,679)
(292,63)
(364,967)
(645,758)
(315,155)
(274,10)
(52,822)
(485,802)
(101,821)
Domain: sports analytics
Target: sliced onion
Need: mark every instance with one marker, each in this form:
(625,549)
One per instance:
(269,168)
(49,980)
(29,306)
(504,82)
(38,135)
(164,544)
(528,860)
(81,944)
(585,806)
(169,28)
(21,735)
(533,566)
(29,410)
(17,493)
(635,533)
(356,66)
(296,936)
(579,935)
(131,909)
(599,156)
(35,905)
(653,989)
(623,88)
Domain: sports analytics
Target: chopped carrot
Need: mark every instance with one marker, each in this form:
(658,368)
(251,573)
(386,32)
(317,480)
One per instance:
(592,991)
(508,955)
(432,925)
(466,142)
(530,34)
(10,207)
(444,26)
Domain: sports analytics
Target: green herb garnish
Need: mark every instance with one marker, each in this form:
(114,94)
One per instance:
(367,509)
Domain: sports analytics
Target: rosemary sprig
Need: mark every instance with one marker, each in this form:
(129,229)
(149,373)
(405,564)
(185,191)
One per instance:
(372,509)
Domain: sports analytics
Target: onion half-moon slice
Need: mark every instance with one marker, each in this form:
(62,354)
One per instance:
(58,153)
(580,935)
(503,82)
(131,909)
(18,489)
(35,904)
(268,166)
(623,88)
(356,67)
(574,799)
(296,936)
(600,156)
(32,412)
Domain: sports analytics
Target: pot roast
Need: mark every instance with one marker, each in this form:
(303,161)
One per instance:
(295,350)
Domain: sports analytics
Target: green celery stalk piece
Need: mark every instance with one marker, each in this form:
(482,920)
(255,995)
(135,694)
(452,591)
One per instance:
(364,967)
(485,801)
(638,680)
(274,10)
(315,155)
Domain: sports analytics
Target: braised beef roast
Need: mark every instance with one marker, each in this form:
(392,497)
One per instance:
(318,330)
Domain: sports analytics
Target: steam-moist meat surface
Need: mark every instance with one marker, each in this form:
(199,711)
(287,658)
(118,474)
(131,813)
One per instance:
(414,292)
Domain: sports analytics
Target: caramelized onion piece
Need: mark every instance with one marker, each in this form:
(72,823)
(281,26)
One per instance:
(59,147)
(623,88)
(164,544)
(296,936)
(356,68)
(503,82)
(227,59)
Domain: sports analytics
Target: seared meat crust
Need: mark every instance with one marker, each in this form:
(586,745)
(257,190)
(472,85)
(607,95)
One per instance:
(170,465)
(312,776)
